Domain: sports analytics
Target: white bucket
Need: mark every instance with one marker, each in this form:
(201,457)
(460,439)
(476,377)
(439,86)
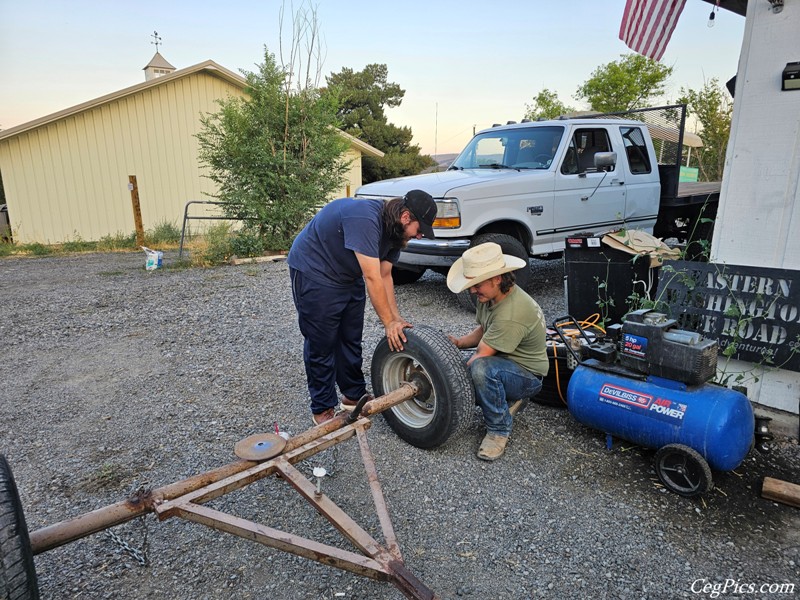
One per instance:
(154,259)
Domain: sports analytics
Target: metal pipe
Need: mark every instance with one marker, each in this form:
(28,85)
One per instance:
(53,536)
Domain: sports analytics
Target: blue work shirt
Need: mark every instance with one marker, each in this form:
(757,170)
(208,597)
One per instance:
(325,250)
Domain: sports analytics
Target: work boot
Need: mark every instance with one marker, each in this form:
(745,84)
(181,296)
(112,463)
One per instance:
(492,447)
(322,417)
(347,404)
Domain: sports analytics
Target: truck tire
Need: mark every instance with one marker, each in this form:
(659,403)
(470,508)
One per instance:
(17,572)
(404,276)
(509,245)
(444,407)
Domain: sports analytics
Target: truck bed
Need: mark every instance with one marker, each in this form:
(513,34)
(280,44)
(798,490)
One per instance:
(692,192)
(697,188)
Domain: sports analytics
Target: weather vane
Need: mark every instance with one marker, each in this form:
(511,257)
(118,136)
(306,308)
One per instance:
(156,39)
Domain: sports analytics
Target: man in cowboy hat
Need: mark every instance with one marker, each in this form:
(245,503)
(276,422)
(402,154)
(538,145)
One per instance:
(350,242)
(510,358)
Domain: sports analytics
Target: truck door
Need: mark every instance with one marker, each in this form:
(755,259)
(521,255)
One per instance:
(586,198)
(642,188)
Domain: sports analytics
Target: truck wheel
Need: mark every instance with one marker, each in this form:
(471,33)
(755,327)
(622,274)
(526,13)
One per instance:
(509,245)
(682,470)
(17,572)
(404,276)
(443,408)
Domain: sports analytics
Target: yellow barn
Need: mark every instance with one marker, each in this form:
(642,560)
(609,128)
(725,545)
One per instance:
(66,175)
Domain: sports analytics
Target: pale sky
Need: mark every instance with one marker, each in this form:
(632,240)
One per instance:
(463,64)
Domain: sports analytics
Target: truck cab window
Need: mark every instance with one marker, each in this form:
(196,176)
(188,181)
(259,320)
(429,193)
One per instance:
(585,143)
(635,150)
(519,148)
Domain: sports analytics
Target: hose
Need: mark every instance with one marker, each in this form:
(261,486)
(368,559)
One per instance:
(588,323)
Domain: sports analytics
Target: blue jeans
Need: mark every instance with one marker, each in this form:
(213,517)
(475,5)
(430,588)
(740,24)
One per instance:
(499,381)
(331,320)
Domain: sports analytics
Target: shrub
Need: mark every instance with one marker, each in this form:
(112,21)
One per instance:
(164,233)
(247,243)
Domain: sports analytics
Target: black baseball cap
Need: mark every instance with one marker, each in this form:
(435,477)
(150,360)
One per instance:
(423,208)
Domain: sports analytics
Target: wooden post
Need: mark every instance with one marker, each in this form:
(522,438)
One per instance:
(781,491)
(137,210)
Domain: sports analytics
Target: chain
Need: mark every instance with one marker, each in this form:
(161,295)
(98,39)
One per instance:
(139,492)
(139,554)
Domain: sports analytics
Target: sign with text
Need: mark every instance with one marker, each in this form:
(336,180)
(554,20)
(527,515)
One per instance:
(753,312)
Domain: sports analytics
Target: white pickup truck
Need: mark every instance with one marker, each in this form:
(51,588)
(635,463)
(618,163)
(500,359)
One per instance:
(528,186)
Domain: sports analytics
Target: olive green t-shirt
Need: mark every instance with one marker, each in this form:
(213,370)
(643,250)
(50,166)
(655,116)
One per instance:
(515,327)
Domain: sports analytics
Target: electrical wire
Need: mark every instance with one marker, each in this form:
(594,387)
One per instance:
(591,322)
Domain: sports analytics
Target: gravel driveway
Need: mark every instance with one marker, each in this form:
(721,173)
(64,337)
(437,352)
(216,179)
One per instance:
(112,377)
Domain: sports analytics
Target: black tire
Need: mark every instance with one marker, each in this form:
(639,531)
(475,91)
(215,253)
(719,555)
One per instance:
(509,245)
(17,572)
(444,408)
(404,276)
(683,470)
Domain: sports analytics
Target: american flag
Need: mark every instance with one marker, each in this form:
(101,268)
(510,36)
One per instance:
(647,25)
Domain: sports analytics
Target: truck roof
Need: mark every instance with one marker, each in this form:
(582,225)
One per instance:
(562,122)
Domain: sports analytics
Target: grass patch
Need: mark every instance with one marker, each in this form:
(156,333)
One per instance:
(119,241)
(79,245)
(214,247)
(37,249)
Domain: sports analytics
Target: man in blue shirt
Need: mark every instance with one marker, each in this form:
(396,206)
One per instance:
(350,242)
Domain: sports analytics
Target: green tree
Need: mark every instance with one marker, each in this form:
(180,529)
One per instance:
(363,97)
(633,81)
(712,108)
(275,155)
(546,105)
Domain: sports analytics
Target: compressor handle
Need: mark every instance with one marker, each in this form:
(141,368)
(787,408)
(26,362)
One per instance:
(568,320)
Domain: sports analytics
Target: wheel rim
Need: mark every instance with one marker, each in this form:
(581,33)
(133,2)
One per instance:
(420,410)
(681,473)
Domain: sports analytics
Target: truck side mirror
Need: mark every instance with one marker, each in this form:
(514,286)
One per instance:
(605,159)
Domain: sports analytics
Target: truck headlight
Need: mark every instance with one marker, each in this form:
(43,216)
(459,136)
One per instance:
(448,215)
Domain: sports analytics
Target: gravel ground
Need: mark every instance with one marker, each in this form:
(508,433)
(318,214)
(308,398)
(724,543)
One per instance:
(113,377)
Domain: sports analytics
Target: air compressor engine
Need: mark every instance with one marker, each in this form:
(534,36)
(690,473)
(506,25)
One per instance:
(650,343)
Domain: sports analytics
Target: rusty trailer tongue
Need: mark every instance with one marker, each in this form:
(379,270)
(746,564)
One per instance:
(263,455)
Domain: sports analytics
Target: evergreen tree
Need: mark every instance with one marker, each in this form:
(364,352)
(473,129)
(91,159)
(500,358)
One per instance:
(364,95)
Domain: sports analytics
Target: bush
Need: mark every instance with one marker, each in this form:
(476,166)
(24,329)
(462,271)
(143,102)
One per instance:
(247,243)
(217,244)
(163,233)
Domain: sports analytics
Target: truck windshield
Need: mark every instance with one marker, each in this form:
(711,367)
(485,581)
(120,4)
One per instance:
(518,148)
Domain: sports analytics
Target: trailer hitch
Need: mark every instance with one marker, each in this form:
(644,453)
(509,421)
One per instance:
(185,499)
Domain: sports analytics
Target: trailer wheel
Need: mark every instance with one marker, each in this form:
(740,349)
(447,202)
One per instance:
(443,408)
(17,572)
(682,470)
(509,245)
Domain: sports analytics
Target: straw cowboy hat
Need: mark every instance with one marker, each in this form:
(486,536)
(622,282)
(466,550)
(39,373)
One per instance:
(479,264)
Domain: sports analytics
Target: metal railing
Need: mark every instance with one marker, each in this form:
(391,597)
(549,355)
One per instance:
(186,217)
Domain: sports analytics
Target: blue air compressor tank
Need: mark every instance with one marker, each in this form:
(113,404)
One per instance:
(652,411)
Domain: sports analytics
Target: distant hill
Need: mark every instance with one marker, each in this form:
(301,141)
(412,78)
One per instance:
(442,162)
